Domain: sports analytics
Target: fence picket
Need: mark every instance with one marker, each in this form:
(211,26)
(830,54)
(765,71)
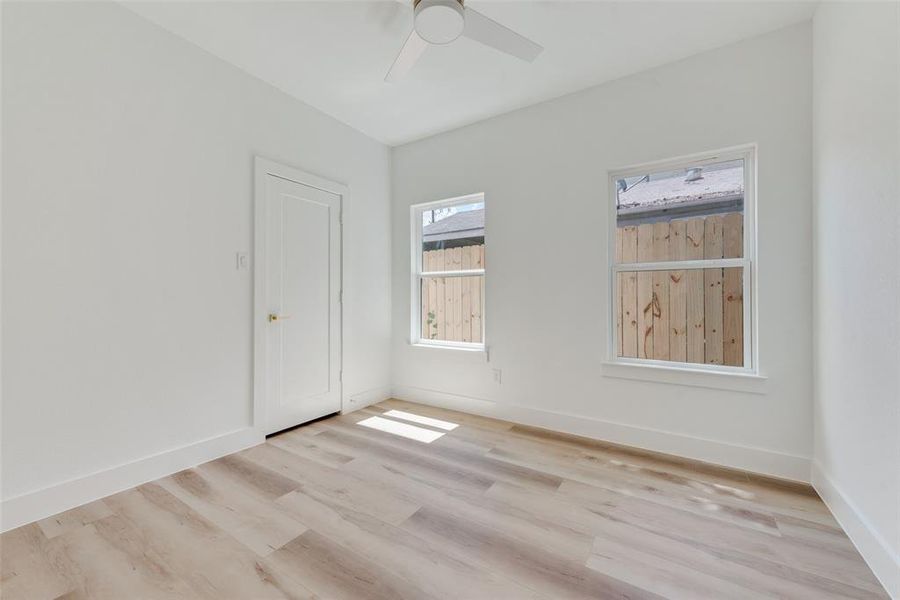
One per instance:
(453,291)
(733,292)
(629,294)
(645,292)
(677,293)
(660,281)
(431,261)
(693,283)
(712,280)
(466,304)
(439,298)
(477,294)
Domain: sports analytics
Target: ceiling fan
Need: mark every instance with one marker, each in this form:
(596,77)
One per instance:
(439,22)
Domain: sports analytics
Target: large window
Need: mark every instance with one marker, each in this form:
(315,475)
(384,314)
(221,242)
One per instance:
(448,273)
(682,249)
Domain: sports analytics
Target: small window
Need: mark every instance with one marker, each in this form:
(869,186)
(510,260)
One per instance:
(448,273)
(681,262)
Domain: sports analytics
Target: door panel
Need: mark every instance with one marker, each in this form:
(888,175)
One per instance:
(303,292)
(305,297)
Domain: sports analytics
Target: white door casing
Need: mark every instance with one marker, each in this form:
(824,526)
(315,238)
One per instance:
(297,310)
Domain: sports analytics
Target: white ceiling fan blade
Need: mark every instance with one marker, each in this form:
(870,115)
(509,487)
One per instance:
(491,33)
(410,53)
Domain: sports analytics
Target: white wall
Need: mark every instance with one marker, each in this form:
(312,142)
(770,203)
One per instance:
(127,189)
(544,172)
(857,277)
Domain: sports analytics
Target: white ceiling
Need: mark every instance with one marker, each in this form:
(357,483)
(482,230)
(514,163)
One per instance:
(334,55)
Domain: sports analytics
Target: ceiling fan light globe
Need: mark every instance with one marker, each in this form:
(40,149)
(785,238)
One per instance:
(439,21)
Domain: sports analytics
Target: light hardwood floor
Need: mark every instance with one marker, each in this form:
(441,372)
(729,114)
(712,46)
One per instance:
(489,510)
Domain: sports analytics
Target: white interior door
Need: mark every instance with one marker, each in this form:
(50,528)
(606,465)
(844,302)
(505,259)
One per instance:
(303,318)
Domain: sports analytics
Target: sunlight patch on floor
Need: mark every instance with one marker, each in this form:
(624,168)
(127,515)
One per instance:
(405,416)
(420,434)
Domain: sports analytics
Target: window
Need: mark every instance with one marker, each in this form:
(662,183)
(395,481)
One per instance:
(448,273)
(682,250)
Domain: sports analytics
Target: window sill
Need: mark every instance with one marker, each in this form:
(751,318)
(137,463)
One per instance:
(751,383)
(473,350)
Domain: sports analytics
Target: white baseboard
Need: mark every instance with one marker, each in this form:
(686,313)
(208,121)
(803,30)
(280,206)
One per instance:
(883,561)
(367,398)
(46,502)
(757,460)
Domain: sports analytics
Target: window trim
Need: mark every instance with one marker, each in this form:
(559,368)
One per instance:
(416,275)
(748,153)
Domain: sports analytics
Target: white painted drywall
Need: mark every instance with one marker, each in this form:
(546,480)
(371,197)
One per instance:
(127,189)
(543,170)
(856,289)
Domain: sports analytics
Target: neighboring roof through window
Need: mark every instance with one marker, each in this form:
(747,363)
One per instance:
(711,189)
(462,224)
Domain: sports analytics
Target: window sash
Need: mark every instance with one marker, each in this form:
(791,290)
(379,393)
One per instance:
(420,280)
(694,265)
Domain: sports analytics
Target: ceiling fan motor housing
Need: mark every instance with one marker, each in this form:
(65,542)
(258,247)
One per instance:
(439,21)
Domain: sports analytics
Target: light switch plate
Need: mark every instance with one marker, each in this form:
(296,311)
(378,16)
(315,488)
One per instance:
(242,261)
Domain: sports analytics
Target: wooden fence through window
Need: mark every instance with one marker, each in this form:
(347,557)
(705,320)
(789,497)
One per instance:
(694,316)
(452,306)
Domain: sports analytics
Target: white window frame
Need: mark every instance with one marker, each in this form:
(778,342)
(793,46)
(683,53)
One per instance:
(416,338)
(747,153)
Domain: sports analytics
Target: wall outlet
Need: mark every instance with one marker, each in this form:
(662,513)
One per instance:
(242,261)
(497,375)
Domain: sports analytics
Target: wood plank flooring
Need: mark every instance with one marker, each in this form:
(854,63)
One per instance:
(339,509)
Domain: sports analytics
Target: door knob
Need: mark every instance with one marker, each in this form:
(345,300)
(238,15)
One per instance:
(273,317)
